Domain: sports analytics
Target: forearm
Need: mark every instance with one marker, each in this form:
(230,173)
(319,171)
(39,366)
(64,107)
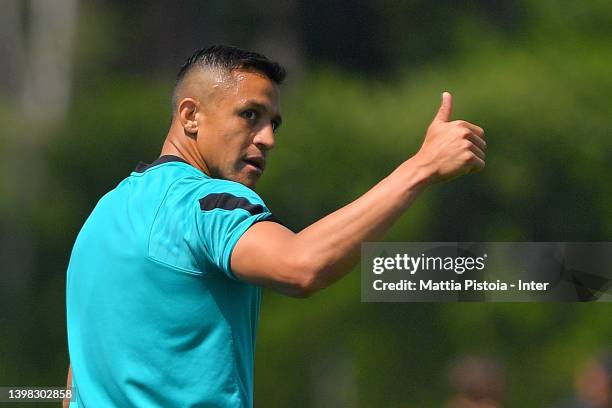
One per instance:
(330,247)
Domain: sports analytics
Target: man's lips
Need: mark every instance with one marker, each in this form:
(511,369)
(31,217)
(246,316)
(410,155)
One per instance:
(256,161)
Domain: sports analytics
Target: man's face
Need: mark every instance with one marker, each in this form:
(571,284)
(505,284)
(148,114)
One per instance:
(237,126)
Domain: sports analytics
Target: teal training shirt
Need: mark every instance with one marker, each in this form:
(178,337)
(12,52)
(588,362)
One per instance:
(155,316)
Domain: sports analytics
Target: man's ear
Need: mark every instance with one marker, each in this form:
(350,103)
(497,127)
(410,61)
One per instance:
(187,111)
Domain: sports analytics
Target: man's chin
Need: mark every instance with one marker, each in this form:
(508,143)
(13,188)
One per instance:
(250,181)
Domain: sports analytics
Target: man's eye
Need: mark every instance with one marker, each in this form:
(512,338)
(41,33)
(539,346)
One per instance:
(250,114)
(275,125)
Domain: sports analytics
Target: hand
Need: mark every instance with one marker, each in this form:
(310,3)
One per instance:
(451,149)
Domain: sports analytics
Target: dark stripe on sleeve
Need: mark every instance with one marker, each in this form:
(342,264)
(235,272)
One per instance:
(228,201)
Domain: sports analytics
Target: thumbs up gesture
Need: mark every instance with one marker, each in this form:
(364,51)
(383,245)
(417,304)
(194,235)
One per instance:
(451,148)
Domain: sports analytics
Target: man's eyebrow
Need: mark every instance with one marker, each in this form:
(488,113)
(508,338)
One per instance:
(264,107)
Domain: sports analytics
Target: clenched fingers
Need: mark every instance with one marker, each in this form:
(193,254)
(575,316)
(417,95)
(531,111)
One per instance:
(478,142)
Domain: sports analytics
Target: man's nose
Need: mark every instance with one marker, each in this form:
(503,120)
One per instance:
(264,139)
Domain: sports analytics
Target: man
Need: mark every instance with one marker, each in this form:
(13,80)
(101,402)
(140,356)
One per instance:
(164,280)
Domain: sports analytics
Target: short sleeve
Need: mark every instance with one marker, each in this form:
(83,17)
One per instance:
(224,215)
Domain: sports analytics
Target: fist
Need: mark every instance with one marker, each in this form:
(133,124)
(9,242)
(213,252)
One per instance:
(451,148)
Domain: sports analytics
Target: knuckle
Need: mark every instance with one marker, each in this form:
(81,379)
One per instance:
(462,132)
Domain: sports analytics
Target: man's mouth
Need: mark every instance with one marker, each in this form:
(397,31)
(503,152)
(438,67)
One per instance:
(259,163)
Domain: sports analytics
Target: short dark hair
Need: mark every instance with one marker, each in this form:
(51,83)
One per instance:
(229,58)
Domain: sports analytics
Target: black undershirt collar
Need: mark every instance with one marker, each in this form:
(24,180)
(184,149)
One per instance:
(142,166)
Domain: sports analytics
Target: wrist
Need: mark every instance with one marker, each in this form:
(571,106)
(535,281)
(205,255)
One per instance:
(417,174)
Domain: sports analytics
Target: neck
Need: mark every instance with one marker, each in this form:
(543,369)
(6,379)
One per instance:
(180,144)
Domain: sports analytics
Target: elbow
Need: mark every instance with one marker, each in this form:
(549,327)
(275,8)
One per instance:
(306,278)
(303,290)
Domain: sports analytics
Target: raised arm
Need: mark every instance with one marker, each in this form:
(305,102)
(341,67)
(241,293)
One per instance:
(269,254)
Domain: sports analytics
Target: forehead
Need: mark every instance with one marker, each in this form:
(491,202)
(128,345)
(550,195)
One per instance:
(250,84)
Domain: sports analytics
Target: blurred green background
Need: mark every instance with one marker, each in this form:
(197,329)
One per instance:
(85,95)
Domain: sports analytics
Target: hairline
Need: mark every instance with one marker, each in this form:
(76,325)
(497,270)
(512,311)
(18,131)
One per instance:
(225,72)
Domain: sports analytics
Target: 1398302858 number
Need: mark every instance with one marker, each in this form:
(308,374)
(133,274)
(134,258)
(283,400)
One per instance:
(35,393)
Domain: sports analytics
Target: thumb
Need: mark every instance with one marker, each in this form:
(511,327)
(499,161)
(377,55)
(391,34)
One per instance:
(446,108)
